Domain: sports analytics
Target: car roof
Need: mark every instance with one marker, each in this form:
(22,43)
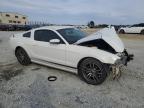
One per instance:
(54,27)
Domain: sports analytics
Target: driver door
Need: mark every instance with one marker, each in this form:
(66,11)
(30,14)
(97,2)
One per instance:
(42,49)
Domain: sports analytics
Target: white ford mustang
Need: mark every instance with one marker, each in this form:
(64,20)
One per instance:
(68,48)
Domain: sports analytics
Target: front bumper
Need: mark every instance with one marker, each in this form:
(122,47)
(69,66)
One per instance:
(125,57)
(129,56)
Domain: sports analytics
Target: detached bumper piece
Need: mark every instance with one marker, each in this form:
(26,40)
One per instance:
(117,69)
(121,64)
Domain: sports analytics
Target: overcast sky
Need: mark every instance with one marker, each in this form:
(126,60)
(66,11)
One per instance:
(78,11)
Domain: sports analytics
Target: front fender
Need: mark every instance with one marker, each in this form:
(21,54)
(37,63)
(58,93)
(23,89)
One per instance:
(103,56)
(76,53)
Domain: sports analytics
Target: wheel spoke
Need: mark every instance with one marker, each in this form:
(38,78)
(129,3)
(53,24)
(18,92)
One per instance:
(95,78)
(86,70)
(89,75)
(97,68)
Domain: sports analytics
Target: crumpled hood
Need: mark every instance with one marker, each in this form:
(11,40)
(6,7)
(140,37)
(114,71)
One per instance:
(109,35)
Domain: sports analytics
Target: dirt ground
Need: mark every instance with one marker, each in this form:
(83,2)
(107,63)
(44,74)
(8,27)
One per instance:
(28,87)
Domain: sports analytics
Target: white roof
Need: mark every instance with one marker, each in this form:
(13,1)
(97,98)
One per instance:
(54,27)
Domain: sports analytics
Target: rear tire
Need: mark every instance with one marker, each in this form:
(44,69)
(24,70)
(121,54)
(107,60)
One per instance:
(92,71)
(142,32)
(121,31)
(22,56)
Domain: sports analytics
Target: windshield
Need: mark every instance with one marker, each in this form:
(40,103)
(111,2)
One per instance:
(71,35)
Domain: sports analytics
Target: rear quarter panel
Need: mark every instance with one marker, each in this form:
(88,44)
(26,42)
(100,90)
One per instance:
(17,40)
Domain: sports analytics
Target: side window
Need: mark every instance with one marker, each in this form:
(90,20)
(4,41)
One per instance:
(28,34)
(46,36)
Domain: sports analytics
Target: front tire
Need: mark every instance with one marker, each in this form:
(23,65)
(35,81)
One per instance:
(22,56)
(122,31)
(142,32)
(92,71)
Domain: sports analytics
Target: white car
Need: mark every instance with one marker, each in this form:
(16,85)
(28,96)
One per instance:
(132,29)
(68,48)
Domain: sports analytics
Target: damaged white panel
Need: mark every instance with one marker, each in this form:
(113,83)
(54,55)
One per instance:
(109,35)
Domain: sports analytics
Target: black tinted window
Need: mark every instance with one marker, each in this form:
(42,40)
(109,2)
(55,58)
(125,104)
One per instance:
(27,34)
(46,35)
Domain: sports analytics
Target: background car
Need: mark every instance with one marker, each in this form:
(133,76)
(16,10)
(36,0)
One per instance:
(137,28)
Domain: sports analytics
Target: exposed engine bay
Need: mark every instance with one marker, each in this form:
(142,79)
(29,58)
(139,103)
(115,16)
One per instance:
(100,44)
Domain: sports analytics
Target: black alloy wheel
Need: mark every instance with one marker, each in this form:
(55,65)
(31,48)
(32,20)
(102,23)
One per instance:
(142,32)
(92,71)
(22,56)
(122,31)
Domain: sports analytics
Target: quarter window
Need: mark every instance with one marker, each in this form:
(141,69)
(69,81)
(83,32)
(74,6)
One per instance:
(28,34)
(46,36)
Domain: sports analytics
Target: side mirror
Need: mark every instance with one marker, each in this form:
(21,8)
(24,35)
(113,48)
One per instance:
(54,41)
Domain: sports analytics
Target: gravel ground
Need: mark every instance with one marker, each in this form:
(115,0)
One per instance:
(28,87)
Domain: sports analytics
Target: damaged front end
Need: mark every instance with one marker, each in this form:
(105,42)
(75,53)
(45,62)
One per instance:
(120,65)
(108,40)
(125,57)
